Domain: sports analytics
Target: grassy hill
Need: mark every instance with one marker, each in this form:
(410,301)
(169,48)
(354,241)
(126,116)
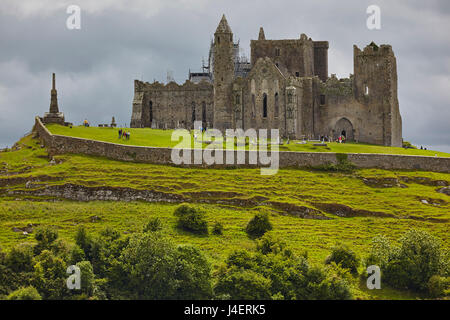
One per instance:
(162,138)
(311,210)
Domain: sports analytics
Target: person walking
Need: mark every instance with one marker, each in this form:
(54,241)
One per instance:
(120,133)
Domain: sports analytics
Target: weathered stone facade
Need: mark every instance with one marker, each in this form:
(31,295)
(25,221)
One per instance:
(285,86)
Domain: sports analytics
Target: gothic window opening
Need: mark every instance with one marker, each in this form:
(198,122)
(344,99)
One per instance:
(150,104)
(253,106)
(277,52)
(277,108)
(297,74)
(264,106)
(322,99)
(204,113)
(193,112)
(238,99)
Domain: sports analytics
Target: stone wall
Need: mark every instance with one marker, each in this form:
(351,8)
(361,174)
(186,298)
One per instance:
(57,144)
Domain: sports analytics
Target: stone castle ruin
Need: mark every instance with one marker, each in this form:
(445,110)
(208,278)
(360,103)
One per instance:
(285,86)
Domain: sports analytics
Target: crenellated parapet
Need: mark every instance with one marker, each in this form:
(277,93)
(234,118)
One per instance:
(141,86)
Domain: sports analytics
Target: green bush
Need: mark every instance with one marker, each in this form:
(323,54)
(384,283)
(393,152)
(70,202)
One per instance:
(27,293)
(269,243)
(411,265)
(76,255)
(217,229)
(20,257)
(190,219)
(87,277)
(438,286)
(248,275)
(258,225)
(154,224)
(152,267)
(45,237)
(50,276)
(345,257)
(243,285)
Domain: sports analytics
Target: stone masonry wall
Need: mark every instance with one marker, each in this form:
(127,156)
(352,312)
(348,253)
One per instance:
(57,144)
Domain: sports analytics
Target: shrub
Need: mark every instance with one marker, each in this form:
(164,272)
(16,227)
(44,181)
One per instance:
(184,209)
(243,285)
(345,257)
(438,286)
(280,276)
(153,224)
(50,276)
(152,267)
(217,229)
(258,225)
(193,274)
(27,293)
(83,240)
(190,219)
(410,265)
(270,244)
(76,255)
(330,283)
(19,258)
(87,277)
(45,237)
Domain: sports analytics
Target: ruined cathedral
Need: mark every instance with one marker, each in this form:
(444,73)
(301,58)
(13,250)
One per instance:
(284,86)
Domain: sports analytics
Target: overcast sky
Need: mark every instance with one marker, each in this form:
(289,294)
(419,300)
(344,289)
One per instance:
(123,40)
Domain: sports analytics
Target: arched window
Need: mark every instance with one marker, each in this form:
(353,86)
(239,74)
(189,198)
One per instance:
(238,99)
(253,106)
(193,112)
(277,108)
(264,111)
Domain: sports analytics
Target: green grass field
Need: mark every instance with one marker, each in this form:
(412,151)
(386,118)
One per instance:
(230,196)
(162,138)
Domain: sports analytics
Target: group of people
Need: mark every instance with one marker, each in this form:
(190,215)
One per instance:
(341,139)
(124,134)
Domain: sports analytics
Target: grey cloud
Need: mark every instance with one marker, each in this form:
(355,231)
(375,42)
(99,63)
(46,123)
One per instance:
(96,65)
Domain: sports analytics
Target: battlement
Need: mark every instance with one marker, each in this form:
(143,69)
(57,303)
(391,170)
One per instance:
(172,86)
(373,50)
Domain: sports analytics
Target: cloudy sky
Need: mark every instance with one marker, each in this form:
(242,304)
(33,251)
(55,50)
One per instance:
(123,40)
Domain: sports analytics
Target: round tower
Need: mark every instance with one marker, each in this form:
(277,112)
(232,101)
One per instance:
(223,75)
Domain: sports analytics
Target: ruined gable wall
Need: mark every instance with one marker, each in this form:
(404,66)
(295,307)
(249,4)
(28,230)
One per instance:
(264,78)
(172,104)
(295,55)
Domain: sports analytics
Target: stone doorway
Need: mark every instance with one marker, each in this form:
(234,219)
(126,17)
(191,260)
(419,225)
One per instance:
(345,128)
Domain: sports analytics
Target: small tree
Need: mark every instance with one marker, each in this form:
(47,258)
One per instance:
(45,237)
(258,225)
(190,219)
(20,258)
(345,257)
